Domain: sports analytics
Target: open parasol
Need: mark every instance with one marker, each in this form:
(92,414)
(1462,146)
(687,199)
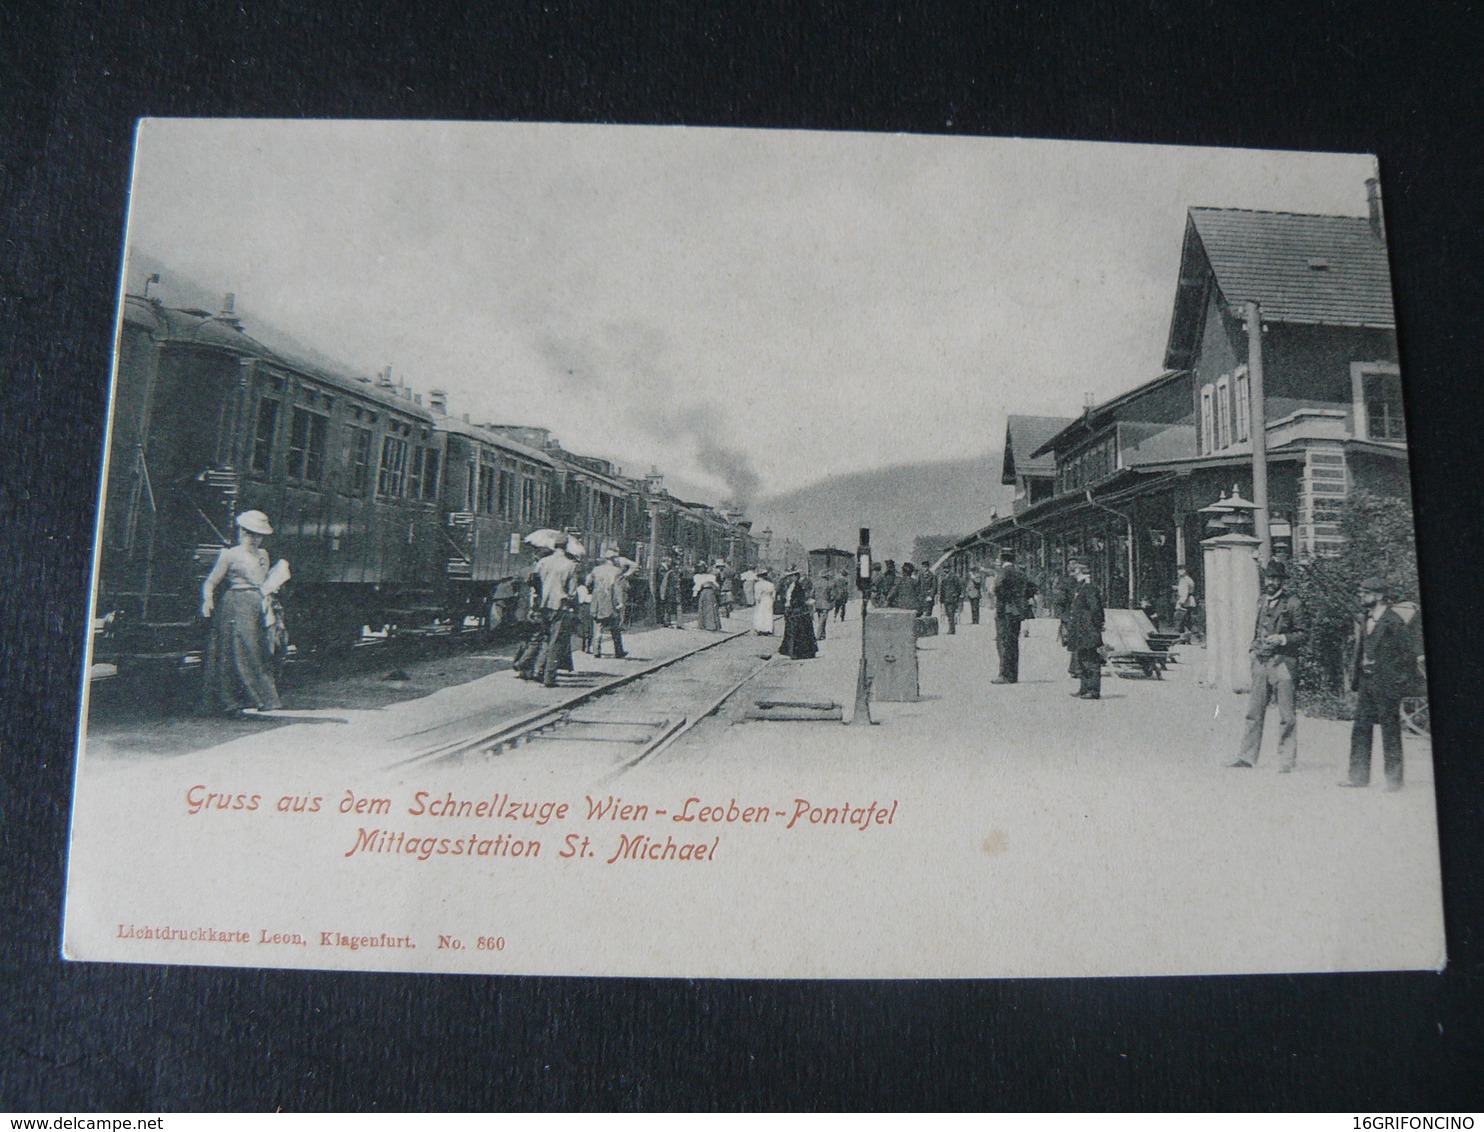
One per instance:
(546,538)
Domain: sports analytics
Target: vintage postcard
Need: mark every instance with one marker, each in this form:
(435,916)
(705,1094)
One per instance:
(589,550)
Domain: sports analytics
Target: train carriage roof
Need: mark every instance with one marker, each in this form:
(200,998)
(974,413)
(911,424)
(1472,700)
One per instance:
(194,327)
(459,427)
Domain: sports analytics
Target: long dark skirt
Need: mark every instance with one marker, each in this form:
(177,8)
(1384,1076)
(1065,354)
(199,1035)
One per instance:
(708,612)
(798,635)
(239,670)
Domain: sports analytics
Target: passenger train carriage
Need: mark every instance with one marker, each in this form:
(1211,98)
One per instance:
(388,511)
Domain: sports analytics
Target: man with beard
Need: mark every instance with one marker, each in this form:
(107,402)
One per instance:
(1383,664)
(1013,591)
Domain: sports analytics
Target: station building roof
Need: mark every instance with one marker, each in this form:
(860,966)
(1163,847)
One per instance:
(1300,268)
(1024,436)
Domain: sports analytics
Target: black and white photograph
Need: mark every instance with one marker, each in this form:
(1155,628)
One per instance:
(616,550)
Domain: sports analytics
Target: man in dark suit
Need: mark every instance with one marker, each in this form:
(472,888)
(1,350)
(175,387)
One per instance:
(951,594)
(927,589)
(906,594)
(1013,592)
(1382,667)
(1082,632)
(1279,633)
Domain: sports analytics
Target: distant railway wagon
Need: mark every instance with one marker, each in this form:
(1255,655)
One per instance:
(828,561)
(388,511)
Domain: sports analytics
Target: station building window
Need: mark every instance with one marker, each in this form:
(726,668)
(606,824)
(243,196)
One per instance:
(1208,419)
(1223,413)
(1383,407)
(1242,404)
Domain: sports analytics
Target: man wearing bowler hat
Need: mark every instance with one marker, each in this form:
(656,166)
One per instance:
(1280,632)
(1382,666)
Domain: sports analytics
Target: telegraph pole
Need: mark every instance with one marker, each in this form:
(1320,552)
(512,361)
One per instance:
(1257,427)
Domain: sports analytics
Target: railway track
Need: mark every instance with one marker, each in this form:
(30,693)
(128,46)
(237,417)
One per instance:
(621,722)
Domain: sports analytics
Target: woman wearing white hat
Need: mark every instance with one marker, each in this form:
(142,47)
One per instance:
(239,675)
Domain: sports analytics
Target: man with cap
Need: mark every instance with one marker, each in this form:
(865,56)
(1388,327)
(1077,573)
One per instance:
(907,594)
(1082,632)
(1013,592)
(884,587)
(927,588)
(605,583)
(1382,667)
(1279,633)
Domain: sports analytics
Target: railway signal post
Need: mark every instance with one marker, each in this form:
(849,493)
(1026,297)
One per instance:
(862,711)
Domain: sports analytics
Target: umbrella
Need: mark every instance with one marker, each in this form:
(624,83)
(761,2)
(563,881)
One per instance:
(546,538)
(749,575)
(627,564)
(575,548)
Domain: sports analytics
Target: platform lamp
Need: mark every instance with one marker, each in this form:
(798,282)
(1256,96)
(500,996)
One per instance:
(862,713)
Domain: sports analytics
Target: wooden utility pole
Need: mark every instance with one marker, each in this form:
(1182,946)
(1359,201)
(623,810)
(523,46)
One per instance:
(1257,427)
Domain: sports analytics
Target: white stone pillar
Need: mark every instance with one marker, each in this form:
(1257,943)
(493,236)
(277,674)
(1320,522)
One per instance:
(1232,588)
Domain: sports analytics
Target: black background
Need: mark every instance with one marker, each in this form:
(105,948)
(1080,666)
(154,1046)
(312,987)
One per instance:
(1347,77)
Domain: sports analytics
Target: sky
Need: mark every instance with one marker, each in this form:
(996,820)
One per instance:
(751,311)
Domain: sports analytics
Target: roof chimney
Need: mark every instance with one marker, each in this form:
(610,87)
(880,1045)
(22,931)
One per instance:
(229,312)
(1373,198)
(438,400)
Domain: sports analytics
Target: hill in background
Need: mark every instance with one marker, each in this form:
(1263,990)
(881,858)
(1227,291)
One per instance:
(898,503)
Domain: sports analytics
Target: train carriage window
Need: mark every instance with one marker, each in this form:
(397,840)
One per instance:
(308,435)
(506,494)
(486,488)
(360,460)
(393,474)
(527,499)
(415,475)
(262,441)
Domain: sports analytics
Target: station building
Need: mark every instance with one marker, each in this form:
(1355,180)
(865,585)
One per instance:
(1123,484)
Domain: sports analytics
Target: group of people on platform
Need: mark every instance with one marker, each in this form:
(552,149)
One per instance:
(563,602)
(795,594)
(247,637)
(1386,659)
